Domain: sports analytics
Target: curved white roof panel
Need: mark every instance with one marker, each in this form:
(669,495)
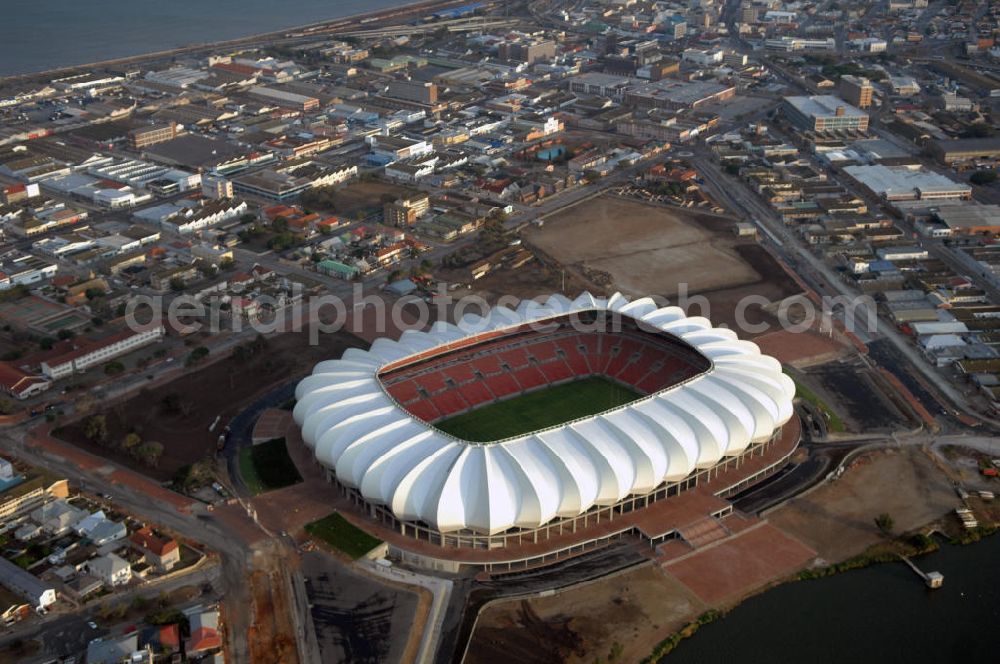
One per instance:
(397,460)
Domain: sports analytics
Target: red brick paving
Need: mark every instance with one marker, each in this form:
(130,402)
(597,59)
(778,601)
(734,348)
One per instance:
(293,507)
(741,564)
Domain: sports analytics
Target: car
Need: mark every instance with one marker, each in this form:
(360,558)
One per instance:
(91,624)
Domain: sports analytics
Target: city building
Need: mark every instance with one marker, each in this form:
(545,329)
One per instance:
(907,183)
(86,353)
(527,51)
(856,90)
(405,211)
(421,92)
(959,150)
(20,497)
(216,187)
(111,569)
(285,99)
(39,594)
(675,95)
(20,384)
(157,133)
(160,552)
(824,114)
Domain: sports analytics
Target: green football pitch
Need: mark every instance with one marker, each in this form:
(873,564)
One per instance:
(538,410)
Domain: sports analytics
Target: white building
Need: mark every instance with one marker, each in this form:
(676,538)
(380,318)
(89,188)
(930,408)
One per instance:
(88,353)
(40,595)
(702,57)
(111,569)
(195,219)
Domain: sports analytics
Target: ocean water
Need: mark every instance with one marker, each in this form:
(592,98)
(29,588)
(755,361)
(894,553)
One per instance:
(36,35)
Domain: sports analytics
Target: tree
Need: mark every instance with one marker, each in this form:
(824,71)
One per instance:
(96,429)
(65,334)
(279,225)
(978,130)
(885,523)
(196,355)
(150,453)
(177,284)
(131,442)
(248,218)
(226,263)
(983,177)
(114,368)
(6,406)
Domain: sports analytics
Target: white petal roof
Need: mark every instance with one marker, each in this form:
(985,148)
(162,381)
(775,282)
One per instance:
(420,473)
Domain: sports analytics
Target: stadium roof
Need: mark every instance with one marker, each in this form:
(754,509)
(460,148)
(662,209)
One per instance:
(422,474)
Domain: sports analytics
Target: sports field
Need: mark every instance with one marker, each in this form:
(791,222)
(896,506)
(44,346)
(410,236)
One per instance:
(538,410)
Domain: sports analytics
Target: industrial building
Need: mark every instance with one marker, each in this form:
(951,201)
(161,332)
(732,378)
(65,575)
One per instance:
(676,95)
(824,114)
(907,183)
(959,150)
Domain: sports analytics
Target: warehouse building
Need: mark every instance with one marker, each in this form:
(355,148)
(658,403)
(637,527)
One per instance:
(959,150)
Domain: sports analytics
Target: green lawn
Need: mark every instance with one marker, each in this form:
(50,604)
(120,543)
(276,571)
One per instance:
(339,533)
(833,421)
(538,410)
(267,466)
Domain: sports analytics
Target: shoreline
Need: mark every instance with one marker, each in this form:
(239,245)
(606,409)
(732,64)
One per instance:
(328,25)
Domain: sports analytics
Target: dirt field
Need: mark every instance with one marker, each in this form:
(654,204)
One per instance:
(272,635)
(837,520)
(648,249)
(636,609)
(222,389)
(365,196)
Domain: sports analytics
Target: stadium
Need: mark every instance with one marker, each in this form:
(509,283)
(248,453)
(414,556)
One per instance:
(532,434)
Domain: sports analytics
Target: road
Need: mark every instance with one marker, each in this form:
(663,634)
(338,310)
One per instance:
(824,280)
(232,550)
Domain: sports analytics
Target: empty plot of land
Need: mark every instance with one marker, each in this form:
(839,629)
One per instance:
(739,565)
(838,519)
(582,624)
(645,248)
(178,414)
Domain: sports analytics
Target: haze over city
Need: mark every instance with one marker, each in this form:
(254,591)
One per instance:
(469,332)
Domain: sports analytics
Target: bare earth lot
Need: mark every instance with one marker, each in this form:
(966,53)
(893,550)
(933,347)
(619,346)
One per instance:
(222,389)
(653,250)
(635,609)
(838,519)
(646,249)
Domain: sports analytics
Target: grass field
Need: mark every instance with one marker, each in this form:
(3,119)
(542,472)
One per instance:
(267,466)
(538,410)
(339,533)
(833,421)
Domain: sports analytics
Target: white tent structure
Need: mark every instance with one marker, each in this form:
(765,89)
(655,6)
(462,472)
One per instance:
(396,460)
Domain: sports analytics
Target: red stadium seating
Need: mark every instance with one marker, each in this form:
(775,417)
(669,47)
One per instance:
(476,376)
(530,378)
(477,393)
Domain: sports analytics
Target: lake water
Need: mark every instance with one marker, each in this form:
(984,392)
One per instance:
(880,614)
(39,35)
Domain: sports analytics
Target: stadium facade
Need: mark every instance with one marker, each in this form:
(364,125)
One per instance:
(706,403)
